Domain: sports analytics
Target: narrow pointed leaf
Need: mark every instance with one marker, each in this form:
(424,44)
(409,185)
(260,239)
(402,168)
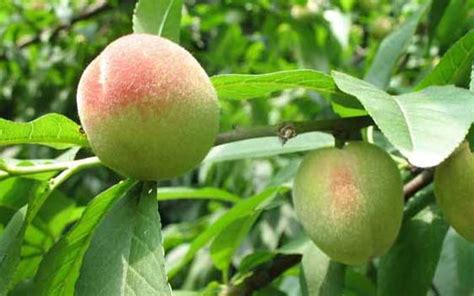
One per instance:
(241,209)
(244,87)
(158,17)
(268,146)
(227,242)
(173,193)
(454,66)
(392,48)
(10,246)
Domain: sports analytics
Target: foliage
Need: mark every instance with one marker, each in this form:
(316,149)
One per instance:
(280,67)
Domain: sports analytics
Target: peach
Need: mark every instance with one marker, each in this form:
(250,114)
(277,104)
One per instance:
(350,201)
(148,108)
(454,190)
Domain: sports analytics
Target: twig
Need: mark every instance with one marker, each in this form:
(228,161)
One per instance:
(87,13)
(288,130)
(7,170)
(263,276)
(73,168)
(418,183)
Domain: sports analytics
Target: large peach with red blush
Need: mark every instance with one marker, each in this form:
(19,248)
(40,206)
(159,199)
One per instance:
(148,108)
(350,201)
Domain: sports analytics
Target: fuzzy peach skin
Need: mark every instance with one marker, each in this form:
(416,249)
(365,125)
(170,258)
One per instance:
(148,108)
(350,201)
(454,190)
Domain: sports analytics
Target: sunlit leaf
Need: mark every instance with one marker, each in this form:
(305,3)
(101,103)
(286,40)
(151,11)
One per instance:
(173,193)
(158,17)
(268,146)
(244,87)
(52,130)
(125,256)
(454,66)
(456,266)
(424,126)
(321,275)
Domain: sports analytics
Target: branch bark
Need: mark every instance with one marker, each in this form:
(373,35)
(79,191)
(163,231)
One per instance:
(263,276)
(288,130)
(416,184)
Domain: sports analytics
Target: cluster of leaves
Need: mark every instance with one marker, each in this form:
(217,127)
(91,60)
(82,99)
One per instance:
(231,221)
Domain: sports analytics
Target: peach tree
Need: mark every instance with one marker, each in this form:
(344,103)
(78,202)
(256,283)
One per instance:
(381,181)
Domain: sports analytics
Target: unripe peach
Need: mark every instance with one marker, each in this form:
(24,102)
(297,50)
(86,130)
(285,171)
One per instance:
(350,201)
(148,108)
(454,190)
(381,27)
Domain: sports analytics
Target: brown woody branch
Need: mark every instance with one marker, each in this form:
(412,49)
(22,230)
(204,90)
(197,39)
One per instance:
(416,184)
(87,13)
(288,130)
(263,276)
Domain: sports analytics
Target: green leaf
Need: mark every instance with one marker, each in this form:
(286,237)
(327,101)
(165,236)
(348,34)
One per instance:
(254,259)
(10,246)
(320,275)
(392,48)
(424,126)
(58,213)
(244,87)
(126,255)
(454,66)
(456,266)
(451,25)
(158,17)
(226,242)
(241,209)
(60,268)
(268,146)
(14,194)
(174,193)
(359,284)
(42,190)
(53,130)
(435,15)
(409,267)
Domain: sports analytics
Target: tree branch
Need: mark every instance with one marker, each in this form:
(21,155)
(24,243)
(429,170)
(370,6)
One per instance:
(87,13)
(263,276)
(7,170)
(288,130)
(416,184)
